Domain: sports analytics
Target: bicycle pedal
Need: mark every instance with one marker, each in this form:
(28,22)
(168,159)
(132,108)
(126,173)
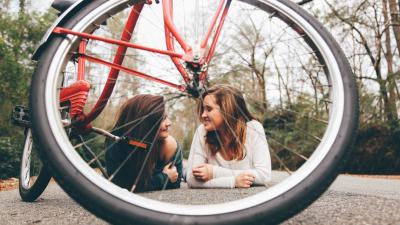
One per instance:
(20,116)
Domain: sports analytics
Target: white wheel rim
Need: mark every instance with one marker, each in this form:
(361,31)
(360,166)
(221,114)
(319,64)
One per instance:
(26,160)
(284,186)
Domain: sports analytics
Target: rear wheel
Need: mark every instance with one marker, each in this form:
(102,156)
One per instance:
(292,73)
(34,177)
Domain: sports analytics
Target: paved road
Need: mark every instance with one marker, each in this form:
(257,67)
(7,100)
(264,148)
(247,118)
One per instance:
(350,200)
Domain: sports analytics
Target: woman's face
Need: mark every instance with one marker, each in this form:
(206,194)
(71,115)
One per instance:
(211,116)
(165,124)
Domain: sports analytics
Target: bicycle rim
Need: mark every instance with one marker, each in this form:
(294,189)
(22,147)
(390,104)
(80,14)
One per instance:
(310,70)
(33,178)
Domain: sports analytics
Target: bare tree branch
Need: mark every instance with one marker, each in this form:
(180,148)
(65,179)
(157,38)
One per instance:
(303,2)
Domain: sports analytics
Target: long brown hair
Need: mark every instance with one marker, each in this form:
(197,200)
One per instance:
(139,119)
(232,136)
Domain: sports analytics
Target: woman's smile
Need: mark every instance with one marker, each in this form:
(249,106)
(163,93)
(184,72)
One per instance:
(211,116)
(164,128)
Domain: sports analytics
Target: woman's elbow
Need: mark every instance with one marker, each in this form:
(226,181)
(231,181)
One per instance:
(268,178)
(264,178)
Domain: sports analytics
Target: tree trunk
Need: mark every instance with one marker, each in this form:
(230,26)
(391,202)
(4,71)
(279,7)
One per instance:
(388,110)
(395,17)
(21,6)
(388,55)
(264,95)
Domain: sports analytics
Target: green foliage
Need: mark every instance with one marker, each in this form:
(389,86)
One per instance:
(293,133)
(9,157)
(376,151)
(19,35)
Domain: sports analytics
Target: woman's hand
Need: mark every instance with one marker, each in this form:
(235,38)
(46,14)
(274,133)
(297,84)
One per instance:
(244,180)
(171,173)
(203,172)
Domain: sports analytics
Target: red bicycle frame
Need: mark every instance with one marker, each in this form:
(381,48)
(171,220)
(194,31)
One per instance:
(171,34)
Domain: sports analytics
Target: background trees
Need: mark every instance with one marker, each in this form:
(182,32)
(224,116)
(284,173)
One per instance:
(369,34)
(20,32)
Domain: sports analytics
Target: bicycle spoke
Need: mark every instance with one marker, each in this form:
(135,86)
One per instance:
(280,161)
(128,157)
(138,177)
(93,155)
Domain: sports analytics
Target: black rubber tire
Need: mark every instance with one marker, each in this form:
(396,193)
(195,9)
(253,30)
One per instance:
(116,211)
(37,188)
(31,194)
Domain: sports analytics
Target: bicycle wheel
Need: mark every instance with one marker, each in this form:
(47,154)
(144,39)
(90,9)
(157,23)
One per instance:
(291,71)
(34,177)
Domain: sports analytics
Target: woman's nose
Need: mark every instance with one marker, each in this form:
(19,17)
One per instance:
(204,114)
(168,122)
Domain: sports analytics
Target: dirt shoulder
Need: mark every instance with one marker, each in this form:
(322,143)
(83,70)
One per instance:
(8,184)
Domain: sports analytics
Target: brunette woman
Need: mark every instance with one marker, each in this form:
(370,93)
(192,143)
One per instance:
(147,158)
(229,149)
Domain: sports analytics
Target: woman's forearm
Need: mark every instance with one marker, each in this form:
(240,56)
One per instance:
(221,182)
(262,174)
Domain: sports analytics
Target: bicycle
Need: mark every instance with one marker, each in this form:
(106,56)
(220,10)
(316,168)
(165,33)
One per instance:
(264,42)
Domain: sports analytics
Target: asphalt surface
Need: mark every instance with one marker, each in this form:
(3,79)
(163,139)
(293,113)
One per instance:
(350,200)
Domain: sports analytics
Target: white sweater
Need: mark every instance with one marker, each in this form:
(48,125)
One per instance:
(257,160)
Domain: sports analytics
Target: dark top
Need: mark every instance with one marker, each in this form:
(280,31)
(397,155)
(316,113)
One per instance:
(115,156)
(159,178)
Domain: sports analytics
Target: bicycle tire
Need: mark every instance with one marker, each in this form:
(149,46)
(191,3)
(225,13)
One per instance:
(30,190)
(106,201)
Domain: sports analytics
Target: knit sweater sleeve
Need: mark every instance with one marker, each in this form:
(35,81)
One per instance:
(197,157)
(258,151)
